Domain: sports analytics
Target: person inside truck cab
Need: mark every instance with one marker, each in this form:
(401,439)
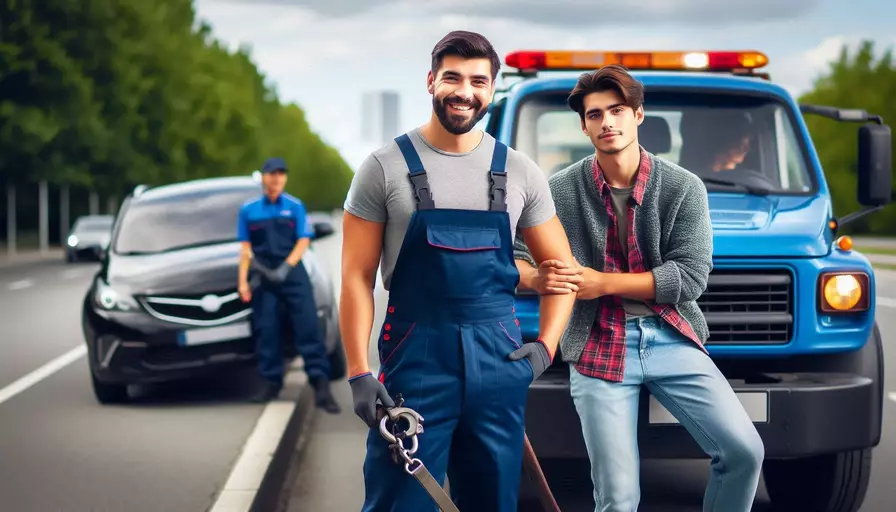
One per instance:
(640,227)
(715,141)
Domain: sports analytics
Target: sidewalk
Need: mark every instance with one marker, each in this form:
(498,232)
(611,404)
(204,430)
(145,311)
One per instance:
(28,255)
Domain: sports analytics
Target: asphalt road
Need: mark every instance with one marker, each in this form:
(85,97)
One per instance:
(329,476)
(60,450)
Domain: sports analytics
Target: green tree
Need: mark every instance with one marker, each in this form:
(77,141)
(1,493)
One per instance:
(861,81)
(113,93)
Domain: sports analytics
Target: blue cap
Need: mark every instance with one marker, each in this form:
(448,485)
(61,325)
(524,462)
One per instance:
(274,164)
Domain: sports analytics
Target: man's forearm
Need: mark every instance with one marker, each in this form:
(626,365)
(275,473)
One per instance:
(297,251)
(527,275)
(635,285)
(245,260)
(356,321)
(553,314)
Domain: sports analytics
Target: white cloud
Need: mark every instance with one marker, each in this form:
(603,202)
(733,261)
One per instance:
(573,12)
(326,59)
(798,72)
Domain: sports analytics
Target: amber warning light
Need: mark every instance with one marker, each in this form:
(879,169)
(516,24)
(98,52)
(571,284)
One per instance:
(529,60)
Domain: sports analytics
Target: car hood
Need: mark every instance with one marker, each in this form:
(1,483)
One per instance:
(757,226)
(193,271)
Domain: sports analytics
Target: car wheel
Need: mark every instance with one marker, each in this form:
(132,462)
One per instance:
(826,483)
(338,364)
(109,393)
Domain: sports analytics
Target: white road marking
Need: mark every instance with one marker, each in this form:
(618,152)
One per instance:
(255,457)
(42,373)
(21,284)
(886,301)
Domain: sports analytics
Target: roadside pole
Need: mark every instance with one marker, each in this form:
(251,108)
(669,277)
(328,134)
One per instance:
(63,215)
(11,219)
(43,214)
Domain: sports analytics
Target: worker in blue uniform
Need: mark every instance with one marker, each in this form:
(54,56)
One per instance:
(450,342)
(275,230)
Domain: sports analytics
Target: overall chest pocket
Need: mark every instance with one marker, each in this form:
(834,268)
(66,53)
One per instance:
(463,261)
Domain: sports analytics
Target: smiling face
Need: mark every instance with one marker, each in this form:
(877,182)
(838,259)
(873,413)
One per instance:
(462,90)
(274,182)
(611,125)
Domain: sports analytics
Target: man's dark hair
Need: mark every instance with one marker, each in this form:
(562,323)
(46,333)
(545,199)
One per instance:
(467,45)
(613,77)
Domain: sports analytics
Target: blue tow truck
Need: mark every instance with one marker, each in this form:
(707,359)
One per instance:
(790,305)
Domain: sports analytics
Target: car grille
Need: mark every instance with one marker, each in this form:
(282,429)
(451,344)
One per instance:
(748,306)
(205,309)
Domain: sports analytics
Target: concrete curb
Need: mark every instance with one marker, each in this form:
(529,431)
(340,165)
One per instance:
(273,493)
(263,467)
(25,258)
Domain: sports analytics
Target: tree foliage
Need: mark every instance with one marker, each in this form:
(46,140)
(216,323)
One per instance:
(113,93)
(863,81)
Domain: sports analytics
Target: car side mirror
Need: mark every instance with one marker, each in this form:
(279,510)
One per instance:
(322,230)
(875,165)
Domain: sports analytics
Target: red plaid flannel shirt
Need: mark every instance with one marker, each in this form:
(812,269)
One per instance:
(604,354)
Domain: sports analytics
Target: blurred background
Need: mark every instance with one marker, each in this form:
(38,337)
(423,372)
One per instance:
(99,96)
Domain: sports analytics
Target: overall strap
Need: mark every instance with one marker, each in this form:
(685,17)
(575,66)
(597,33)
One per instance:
(416,172)
(498,178)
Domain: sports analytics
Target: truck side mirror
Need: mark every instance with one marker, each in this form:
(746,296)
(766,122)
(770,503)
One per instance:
(875,169)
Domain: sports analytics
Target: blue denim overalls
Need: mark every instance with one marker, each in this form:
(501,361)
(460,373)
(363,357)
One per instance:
(449,328)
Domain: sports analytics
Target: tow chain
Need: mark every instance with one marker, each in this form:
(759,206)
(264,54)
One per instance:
(412,466)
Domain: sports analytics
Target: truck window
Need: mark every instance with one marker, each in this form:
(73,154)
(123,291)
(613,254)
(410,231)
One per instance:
(737,138)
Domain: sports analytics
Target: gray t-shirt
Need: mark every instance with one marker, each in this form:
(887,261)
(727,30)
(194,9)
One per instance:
(620,196)
(381,190)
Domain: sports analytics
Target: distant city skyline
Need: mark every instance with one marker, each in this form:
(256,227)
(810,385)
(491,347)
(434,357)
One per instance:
(380,116)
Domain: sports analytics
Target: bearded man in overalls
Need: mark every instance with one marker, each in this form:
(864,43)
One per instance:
(438,209)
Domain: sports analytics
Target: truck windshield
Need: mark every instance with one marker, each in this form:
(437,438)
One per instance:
(182,222)
(746,140)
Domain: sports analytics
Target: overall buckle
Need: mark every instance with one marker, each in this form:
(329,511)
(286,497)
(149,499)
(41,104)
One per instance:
(421,190)
(498,183)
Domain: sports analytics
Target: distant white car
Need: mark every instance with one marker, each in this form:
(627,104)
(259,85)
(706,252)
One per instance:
(88,238)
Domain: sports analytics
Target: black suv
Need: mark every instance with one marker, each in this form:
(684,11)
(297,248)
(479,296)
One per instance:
(164,304)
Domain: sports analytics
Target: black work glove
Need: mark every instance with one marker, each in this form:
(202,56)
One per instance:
(365,391)
(537,354)
(282,272)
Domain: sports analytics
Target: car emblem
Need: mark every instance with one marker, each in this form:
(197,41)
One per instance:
(210,303)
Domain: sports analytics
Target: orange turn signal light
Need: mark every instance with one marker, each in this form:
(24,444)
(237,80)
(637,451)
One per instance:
(844,243)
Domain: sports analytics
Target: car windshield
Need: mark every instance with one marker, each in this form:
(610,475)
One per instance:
(154,226)
(93,225)
(731,141)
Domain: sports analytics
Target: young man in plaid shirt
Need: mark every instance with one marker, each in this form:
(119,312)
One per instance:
(639,226)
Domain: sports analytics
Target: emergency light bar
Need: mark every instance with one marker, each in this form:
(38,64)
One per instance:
(569,60)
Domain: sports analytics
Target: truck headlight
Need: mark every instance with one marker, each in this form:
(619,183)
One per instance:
(112,300)
(72,241)
(843,292)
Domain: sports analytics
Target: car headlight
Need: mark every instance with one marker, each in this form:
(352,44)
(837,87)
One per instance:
(111,300)
(72,241)
(843,292)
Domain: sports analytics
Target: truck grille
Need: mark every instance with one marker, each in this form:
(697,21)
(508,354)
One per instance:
(748,306)
(205,309)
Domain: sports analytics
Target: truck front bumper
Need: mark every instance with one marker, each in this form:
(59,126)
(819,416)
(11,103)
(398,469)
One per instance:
(796,414)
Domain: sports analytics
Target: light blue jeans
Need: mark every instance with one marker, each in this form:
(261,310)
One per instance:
(688,384)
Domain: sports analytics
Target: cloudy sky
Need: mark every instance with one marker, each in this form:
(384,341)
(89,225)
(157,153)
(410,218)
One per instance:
(324,54)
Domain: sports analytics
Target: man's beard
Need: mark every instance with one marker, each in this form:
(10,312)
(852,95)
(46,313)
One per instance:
(458,125)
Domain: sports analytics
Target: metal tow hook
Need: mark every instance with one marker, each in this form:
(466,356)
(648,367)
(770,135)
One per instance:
(413,466)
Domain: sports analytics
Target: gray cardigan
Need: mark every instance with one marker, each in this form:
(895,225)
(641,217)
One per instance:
(673,231)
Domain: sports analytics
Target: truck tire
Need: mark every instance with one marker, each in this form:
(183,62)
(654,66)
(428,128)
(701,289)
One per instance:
(826,483)
(109,393)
